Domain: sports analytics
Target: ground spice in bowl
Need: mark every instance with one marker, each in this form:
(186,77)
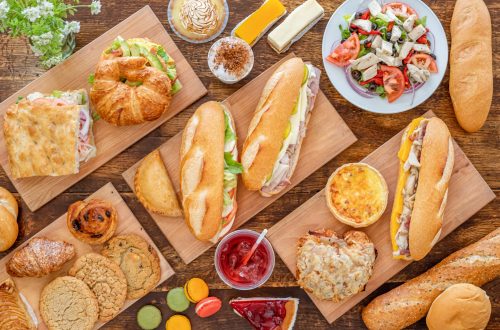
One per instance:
(233,57)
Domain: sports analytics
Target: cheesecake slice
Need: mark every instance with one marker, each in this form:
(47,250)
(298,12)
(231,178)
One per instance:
(267,313)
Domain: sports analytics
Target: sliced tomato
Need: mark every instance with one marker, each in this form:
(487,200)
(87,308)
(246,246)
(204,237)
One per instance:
(394,82)
(424,61)
(348,50)
(230,216)
(400,9)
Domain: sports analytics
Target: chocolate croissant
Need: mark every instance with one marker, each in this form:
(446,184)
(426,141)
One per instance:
(92,222)
(40,257)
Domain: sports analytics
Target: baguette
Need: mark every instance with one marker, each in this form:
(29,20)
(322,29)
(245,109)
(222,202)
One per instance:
(471,63)
(476,264)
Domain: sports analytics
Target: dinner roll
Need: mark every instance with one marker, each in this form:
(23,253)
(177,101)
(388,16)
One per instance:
(8,219)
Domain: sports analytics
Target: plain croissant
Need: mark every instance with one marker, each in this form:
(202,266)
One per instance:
(41,256)
(121,104)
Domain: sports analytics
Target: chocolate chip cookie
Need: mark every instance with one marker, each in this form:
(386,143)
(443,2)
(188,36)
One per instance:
(138,260)
(68,303)
(105,279)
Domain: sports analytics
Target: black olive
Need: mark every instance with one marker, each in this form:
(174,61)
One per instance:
(356,74)
(358,15)
(402,68)
(374,26)
(108,214)
(372,87)
(401,40)
(76,225)
(388,35)
(433,56)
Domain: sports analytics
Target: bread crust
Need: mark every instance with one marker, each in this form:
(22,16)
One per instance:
(9,228)
(267,128)
(471,63)
(202,170)
(437,160)
(475,264)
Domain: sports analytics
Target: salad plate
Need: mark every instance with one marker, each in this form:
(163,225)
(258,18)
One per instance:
(385,56)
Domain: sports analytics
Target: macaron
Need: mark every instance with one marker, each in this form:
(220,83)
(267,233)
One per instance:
(149,317)
(208,306)
(196,289)
(176,300)
(178,322)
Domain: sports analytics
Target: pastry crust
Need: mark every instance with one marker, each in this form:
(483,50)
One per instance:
(9,228)
(92,222)
(13,313)
(153,187)
(42,139)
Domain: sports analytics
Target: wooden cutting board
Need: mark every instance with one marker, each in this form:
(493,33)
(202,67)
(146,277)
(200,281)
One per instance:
(327,136)
(110,140)
(31,288)
(468,193)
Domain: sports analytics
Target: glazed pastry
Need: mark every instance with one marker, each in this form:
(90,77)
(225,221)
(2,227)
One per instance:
(8,219)
(40,257)
(13,312)
(154,188)
(138,261)
(92,222)
(198,20)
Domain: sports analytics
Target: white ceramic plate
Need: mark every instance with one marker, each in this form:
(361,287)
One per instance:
(375,103)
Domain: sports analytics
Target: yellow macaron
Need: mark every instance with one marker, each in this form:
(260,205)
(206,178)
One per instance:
(178,322)
(196,289)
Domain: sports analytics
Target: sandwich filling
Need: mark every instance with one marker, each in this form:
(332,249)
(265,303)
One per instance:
(86,148)
(295,132)
(409,155)
(231,170)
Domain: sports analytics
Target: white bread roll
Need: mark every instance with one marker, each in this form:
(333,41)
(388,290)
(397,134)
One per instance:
(8,219)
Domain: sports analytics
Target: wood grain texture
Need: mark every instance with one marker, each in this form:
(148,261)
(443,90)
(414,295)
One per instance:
(110,140)
(327,136)
(467,194)
(18,66)
(31,288)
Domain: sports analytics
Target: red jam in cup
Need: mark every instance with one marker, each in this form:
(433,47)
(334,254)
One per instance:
(229,260)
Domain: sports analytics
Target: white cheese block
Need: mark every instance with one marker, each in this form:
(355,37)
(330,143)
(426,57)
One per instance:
(393,16)
(295,25)
(377,42)
(374,8)
(395,33)
(405,49)
(417,74)
(365,62)
(417,32)
(364,24)
(369,73)
(409,22)
(422,48)
(389,60)
(386,47)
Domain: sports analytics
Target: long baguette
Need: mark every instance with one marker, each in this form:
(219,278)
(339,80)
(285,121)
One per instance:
(476,264)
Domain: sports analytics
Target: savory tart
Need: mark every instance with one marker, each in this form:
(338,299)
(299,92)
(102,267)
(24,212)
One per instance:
(333,267)
(357,194)
(14,314)
(267,313)
(153,187)
(198,21)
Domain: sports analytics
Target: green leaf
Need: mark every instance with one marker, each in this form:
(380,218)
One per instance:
(231,165)
(363,51)
(95,116)
(380,91)
(344,32)
(228,133)
(422,20)
(19,99)
(91,78)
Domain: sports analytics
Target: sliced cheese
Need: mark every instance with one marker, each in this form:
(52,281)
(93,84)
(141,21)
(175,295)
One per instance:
(259,21)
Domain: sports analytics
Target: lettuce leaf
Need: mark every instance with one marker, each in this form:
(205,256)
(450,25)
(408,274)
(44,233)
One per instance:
(231,165)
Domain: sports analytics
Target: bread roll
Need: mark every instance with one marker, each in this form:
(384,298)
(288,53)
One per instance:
(476,264)
(460,307)
(471,64)
(8,219)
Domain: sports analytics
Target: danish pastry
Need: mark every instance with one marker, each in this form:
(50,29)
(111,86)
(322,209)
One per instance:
(92,222)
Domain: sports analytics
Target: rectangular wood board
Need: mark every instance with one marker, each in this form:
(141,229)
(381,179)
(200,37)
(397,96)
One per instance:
(31,287)
(468,193)
(110,140)
(327,136)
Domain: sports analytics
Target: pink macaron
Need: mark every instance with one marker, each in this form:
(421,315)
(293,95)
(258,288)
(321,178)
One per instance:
(208,306)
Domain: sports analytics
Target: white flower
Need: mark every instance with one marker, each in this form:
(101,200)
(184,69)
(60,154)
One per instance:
(95,7)
(46,8)
(43,39)
(4,9)
(71,27)
(51,61)
(32,13)
(36,51)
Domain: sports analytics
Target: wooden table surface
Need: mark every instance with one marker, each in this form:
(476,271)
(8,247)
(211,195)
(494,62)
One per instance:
(18,66)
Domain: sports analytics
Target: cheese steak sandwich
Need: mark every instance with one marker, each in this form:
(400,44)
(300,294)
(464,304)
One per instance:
(49,134)
(426,160)
(209,168)
(271,149)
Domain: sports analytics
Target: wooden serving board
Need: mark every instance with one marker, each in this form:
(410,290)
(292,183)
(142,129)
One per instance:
(31,287)
(327,136)
(468,193)
(110,140)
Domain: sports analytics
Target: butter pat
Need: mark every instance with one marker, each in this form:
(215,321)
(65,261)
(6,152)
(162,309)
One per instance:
(255,25)
(301,20)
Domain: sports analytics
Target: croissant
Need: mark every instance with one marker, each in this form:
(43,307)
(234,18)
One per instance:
(13,313)
(133,82)
(40,257)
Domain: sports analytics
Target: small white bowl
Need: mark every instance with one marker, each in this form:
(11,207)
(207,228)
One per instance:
(220,72)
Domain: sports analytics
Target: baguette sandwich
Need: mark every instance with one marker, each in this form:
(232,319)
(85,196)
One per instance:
(426,161)
(209,168)
(271,149)
(49,134)
(477,264)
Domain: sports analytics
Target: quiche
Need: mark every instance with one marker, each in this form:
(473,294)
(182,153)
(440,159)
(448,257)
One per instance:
(357,194)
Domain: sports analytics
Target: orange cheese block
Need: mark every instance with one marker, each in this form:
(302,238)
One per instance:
(255,25)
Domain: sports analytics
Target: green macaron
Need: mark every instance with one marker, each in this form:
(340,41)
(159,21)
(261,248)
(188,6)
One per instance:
(149,317)
(177,300)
